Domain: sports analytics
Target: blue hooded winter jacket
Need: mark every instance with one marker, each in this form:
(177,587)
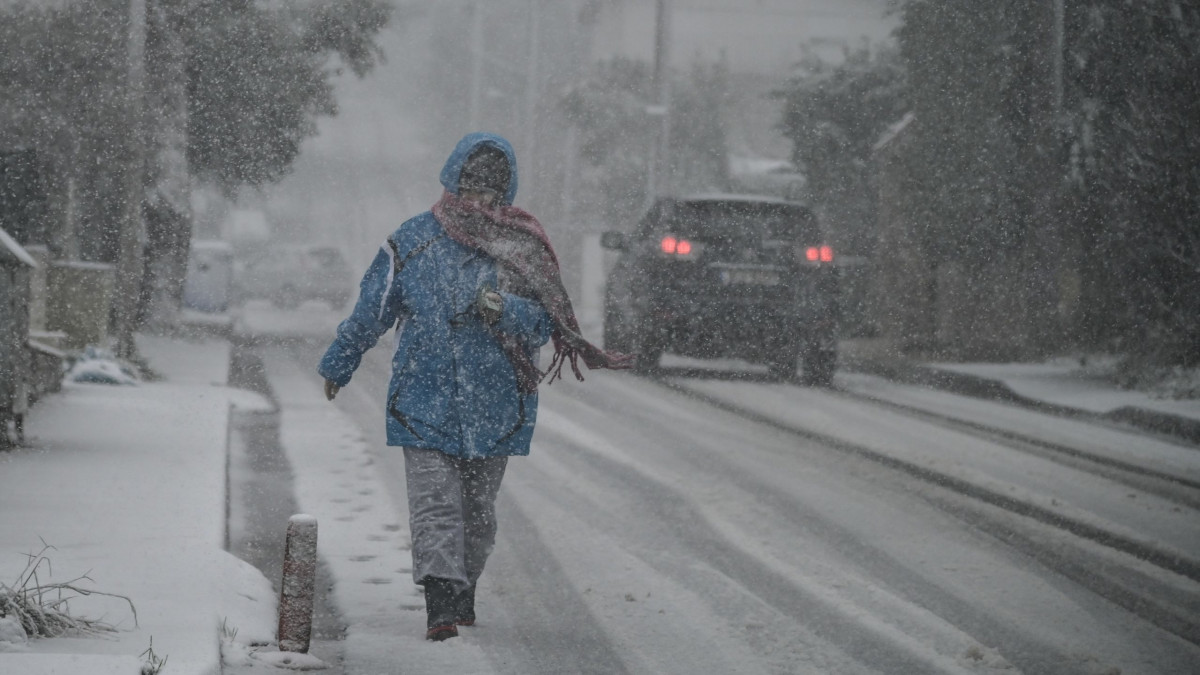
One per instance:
(452,387)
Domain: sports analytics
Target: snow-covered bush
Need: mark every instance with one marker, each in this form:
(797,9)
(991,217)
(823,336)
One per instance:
(99,366)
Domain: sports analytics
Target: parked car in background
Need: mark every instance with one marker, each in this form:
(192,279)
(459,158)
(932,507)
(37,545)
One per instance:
(207,285)
(288,275)
(726,276)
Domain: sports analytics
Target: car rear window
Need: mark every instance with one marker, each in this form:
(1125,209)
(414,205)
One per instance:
(737,221)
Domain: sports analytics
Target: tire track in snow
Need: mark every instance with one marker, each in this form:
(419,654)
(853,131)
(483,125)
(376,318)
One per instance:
(1152,551)
(847,636)
(641,403)
(919,605)
(1169,486)
(1162,597)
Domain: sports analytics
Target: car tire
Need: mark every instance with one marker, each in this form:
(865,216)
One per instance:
(819,367)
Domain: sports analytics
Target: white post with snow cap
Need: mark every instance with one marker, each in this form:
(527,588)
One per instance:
(299,579)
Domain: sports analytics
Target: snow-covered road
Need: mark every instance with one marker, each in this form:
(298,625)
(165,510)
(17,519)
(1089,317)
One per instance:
(697,523)
(703,524)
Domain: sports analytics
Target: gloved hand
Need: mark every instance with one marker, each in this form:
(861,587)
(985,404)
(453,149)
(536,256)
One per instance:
(490,304)
(331,390)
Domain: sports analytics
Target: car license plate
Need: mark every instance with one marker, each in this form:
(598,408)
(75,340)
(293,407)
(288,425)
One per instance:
(750,277)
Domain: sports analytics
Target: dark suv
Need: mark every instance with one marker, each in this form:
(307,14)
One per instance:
(726,276)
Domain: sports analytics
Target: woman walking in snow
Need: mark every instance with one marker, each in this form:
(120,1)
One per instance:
(474,290)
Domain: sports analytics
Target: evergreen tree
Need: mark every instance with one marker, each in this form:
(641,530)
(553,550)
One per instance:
(1101,218)
(619,135)
(1133,85)
(834,114)
(988,171)
(978,86)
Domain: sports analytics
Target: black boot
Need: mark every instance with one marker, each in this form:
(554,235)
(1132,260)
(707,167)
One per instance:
(439,607)
(464,607)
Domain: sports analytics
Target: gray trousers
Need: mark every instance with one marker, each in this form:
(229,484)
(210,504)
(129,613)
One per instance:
(452,514)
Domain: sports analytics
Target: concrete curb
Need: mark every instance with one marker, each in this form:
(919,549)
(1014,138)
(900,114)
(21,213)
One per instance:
(1174,426)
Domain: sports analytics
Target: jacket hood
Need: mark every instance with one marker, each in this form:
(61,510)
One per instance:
(452,171)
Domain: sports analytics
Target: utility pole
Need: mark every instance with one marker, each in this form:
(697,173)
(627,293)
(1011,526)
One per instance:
(531,81)
(132,230)
(659,179)
(476,103)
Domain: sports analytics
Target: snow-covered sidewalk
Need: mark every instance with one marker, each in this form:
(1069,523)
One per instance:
(349,486)
(1063,384)
(127,484)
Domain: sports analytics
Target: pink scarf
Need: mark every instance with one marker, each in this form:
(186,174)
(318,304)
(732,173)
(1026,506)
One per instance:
(516,240)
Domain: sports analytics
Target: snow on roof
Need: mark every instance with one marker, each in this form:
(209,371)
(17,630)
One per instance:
(11,251)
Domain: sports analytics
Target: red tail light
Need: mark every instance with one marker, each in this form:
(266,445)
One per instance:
(819,254)
(675,246)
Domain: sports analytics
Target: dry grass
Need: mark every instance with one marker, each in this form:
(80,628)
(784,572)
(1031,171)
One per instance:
(43,609)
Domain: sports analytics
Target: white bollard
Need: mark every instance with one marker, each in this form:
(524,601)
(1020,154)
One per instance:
(296,589)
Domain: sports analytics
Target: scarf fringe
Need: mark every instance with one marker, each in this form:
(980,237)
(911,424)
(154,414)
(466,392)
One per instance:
(562,355)
(593,358)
